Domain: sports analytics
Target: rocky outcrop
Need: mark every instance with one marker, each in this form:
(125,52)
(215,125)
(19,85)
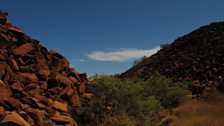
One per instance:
(197,56)
(37,86)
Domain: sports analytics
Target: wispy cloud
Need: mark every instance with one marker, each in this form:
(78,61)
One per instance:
(122,55)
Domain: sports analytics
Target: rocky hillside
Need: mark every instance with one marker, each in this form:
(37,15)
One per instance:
(197,56)
(37,86)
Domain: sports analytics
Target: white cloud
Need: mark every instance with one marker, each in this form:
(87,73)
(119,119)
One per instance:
(122,55)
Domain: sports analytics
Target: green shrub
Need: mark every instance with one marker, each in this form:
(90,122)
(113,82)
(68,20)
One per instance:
(118,102)
(170,94)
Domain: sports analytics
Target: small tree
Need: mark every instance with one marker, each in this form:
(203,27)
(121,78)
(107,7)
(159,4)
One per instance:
(139,60)
(164,46)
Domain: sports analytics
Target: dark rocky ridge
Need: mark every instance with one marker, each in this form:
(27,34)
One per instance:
(197,56)
(37,86)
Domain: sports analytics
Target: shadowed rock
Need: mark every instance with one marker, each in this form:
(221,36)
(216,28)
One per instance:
(37,87)
(197,56)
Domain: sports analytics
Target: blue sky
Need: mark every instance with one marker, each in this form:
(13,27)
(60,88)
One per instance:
(106,36)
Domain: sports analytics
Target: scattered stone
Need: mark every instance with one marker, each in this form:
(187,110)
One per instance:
(16,30)
(2,111)
(23,49)
(195,56)
(60,106)
(62,79)
(74,99)
(13,64)
(27,117)
(82,88)
(13,118)
(31,76)
(43,85)
(37,87)
(45,72)
(62,119)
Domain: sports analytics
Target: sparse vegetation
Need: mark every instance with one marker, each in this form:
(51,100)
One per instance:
(120,102)
(207,112)
(139,60)
(153,102)
(165,46)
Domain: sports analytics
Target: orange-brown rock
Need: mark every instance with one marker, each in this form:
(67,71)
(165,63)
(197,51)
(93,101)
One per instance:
(12,119)
(68,91)
(5,91)
(74,99)
(15,30)
(31,76)
(63,119)
(61,79)
(37,115)
(27,118)
(13,64)
(74,73)
(37,87)
(45,72)
(43,85)
(73,79)
(3,70)
(38,103)
(60,106)
(2,111)
(23,49)
(82,88)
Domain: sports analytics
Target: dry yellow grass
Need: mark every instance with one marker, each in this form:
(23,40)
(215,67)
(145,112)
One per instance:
(201,113)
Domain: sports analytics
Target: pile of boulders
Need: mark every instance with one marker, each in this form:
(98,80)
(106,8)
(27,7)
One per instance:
(37,86)
(197,56)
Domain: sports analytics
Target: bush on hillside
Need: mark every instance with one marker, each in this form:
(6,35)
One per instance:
(129,102)
(170,94)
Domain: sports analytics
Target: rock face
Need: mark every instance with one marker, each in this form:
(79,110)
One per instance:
(37,87)
(197,56)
